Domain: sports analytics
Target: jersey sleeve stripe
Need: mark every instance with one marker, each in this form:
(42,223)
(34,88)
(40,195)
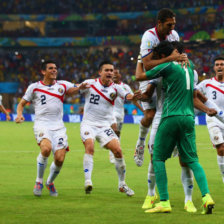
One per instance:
(51,94)
(147,54)
(214,87)
(107,99)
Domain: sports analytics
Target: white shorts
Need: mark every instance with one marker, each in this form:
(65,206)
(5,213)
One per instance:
(151,104)
(58,138)
(216,135)
(102,134)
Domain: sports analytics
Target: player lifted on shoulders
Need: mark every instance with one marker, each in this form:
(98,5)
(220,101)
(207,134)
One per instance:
(164,30)
(176,128)
(96,123)
(48,96)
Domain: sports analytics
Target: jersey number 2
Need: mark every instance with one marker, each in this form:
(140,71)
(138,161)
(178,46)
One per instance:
(43,99)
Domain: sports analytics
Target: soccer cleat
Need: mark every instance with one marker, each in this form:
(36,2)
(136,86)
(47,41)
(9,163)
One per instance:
(161,207)
(189,206)
(208,204)
(88,186)
(125,189)
(52,190)
(149,201)
(37,191)
(111,157)
(139,154)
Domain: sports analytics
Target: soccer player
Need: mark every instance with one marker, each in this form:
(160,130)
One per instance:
(96,123)
(164,30)
(186,175)
(176,128)
(2,108)
(214,89)
(47,96)
(119,108)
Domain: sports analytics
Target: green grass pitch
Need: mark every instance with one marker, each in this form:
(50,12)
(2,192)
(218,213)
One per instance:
(18,152)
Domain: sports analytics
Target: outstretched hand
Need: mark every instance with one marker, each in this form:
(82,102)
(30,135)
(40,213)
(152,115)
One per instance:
(84,86)
(137,95)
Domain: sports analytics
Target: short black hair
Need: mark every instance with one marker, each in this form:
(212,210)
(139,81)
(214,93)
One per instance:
(179,46)
(105,62)
(165,47)
(218,58)
(165,14)
(44,64)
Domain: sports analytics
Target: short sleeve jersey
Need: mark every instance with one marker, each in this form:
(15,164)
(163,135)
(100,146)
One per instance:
(150,40)
(214,91)
(178,85)
(48,103)
(99,102)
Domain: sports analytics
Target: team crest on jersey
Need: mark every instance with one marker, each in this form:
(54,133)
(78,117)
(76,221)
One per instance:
(216,138)
(60,90)
(41,134)
(86,133)
(113,96)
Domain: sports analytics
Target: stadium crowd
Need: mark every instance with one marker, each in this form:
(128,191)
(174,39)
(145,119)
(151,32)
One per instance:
(95,6)
(78,64)
(190,22)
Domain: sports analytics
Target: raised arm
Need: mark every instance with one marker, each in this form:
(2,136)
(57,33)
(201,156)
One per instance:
(20,107)
(75,90)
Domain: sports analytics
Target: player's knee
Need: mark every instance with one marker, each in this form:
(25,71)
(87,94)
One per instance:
(220,149)
(89,150)
(45,146)
(59,161)
(45,150)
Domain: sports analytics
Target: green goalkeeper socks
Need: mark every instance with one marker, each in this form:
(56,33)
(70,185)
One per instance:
(200,177)
(161,179)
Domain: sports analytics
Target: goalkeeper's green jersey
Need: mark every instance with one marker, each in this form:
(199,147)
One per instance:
(178,87)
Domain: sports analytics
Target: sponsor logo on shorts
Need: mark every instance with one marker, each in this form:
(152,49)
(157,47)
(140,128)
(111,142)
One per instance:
(86,133)
(41,134)
(60,90)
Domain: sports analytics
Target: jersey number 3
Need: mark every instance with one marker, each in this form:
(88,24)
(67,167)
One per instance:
(94,99)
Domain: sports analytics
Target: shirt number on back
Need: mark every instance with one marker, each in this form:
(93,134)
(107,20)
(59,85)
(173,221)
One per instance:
(94,99)
(187,78)
(214,95)
(43,99)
